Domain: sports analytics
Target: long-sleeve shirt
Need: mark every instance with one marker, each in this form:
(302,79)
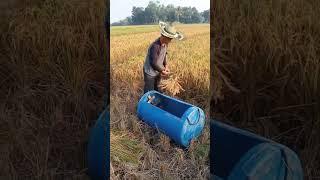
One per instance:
(156,58)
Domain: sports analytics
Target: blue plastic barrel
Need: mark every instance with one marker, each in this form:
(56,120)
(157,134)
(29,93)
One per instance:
(179,120)
(236,154)
(99,149)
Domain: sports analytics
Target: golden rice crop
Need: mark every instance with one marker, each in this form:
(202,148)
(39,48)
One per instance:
(269,51)
(52,76)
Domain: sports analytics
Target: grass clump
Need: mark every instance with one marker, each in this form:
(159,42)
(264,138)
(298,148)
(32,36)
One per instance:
(124,148)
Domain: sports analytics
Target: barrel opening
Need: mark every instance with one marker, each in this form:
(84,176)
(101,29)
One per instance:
(168,104)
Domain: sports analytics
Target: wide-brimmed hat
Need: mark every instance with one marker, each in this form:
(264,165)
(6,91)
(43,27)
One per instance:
(170,31)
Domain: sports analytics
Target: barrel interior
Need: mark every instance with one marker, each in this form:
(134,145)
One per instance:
(170,105)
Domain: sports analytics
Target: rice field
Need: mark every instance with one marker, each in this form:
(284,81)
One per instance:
(52,77)
(152,155)
(266,72)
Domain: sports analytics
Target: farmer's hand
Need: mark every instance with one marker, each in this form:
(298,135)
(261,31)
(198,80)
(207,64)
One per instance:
(165,72)
(167,69)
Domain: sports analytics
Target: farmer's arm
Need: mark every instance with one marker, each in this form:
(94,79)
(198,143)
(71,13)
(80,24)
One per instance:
(165,60)
(156,62)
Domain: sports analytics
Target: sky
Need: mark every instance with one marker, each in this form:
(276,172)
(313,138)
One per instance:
(120,9)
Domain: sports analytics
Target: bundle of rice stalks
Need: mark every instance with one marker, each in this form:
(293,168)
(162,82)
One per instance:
(171,85)
(124,148)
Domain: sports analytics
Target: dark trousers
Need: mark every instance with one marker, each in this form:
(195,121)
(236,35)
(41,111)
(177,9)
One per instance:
(151,82)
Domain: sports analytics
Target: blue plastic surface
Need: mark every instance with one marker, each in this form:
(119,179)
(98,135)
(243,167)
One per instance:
(99,149)
(240,155)
(179,120)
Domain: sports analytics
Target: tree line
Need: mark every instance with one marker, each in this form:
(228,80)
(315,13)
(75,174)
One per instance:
(155,12)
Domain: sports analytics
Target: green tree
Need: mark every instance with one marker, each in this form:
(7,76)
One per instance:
(155,12)
(162,13)
(179,13)
(206,15)
(186,15)
(171,13)
(138,15)
(195,16)
(151,13)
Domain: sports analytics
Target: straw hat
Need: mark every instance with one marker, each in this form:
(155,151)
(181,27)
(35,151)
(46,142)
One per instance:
(169,31)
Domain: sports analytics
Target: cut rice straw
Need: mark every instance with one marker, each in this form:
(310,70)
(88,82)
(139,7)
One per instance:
(171,85)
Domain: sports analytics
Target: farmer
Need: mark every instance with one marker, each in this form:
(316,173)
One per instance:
(155,64)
